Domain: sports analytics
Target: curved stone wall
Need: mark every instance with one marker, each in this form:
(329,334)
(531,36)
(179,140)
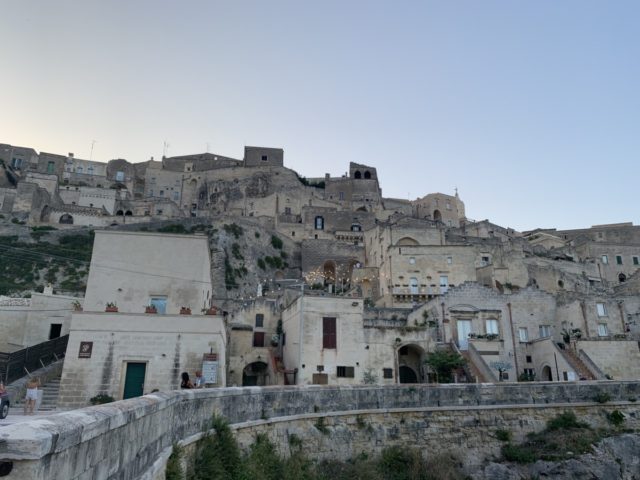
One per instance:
(130,439)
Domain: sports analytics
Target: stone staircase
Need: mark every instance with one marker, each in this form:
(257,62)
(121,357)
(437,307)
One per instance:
(49,396)
(577,364)
(471,369)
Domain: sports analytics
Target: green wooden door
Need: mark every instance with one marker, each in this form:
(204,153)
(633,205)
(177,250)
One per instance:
(134,380)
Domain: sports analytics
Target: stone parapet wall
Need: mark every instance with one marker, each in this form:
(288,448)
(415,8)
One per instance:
(124,439)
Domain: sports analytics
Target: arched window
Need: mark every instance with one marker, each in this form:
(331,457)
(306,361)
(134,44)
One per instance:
(119,212)
(437,216)
(355,227)
(357,174)
(622,277)
(319,223)
(128,213)
(367,175)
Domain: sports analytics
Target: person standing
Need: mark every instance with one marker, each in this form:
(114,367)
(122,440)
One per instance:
(186,381)
(199,380)
(32,395)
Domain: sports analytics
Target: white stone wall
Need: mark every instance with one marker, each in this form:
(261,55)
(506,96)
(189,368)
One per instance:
(168,344)
(128,268)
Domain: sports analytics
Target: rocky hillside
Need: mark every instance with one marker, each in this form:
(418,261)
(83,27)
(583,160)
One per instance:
(244,253)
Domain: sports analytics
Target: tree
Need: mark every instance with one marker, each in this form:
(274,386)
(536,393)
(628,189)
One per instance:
(444,363)
(501,367)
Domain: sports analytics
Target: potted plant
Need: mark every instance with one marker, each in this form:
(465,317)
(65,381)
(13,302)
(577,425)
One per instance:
(150,309)
(111,307)
(185,310)
(77,306)
(212,310)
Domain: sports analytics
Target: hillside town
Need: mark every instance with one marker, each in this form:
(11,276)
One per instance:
(255,275)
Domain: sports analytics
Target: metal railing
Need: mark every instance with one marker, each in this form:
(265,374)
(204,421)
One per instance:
(17,364)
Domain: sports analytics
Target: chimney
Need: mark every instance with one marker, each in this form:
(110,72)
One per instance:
(70,154)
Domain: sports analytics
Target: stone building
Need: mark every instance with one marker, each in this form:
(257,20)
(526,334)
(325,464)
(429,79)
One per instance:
(440,208)
(328,340)
(158,286)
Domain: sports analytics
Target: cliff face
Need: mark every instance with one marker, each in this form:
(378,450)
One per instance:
(613,458)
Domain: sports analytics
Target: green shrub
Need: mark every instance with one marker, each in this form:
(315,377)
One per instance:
(263,461)
(602,397)
(233,229)
(217,455)
(261,264)
(174,228)
(101,399)
(321,426)
(503,435)
(174,470)
(276,242)
(235,250)
(616,418)
(564,421)
(518,454)
(444,363)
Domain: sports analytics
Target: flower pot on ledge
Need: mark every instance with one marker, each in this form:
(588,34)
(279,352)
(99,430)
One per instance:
(150,309)
(211,311)
(185,311)
(111,309)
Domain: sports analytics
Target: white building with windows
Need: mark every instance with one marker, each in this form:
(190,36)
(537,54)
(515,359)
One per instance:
(143,322)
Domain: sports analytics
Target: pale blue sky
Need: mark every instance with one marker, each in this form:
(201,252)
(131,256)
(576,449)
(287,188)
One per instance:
(532,109)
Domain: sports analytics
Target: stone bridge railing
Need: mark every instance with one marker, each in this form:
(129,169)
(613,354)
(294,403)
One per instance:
(125,439)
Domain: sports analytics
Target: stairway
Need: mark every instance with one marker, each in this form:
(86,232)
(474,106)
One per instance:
(50,392)
(577,364)
(471,369)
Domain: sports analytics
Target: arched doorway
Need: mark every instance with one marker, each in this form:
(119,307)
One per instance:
(255,374)
(329,270)
(66,219)
(367,175)
(546,374)
(622,278)
(44,215)
(128,213)
(119,213)
(407,375)
(437,216)
(410,360)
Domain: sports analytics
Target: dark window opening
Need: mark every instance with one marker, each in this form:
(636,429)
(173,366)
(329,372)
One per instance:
(264,158)
(55,330)
(619,259)
(367,174)
(357,174)
(259,320)
(529,360)
(346,372)
(387,373)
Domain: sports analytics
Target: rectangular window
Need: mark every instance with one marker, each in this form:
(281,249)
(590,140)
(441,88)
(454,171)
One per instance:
(492,327)
(160,303)
(55,330)
(602,309)
(603,331)
(265,158)
(530,372)
(529,359)
(162,193)
(449,260)
(319,223)
(51,167)
(545,331)
(387,373)
(259,320)
(619,259)
(176,196)
(78,169)
(341,195)
(346,372)
(605,259)
(636,261)
(287,210)
(444,283)
(90,170)
(258,339)
(523,334)
(485,261)
(119,176)
(329,332)
(412,260)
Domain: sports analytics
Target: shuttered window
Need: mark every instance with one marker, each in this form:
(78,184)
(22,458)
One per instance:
(258,339)
(329,332)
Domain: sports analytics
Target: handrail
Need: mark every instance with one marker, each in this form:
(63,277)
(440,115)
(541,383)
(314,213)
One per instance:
(480,364)
(13,365)
(591,365)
